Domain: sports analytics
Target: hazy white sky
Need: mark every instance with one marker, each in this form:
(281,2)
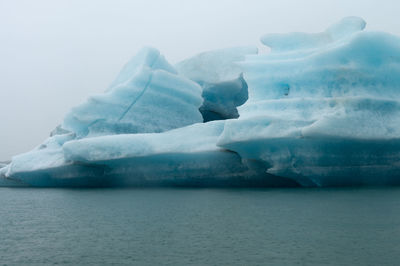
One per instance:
(53,54)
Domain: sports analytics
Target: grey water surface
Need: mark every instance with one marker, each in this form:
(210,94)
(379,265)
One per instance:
(357,226)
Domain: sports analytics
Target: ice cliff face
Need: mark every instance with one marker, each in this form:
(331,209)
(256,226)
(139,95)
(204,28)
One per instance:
(323,108)
(319,110)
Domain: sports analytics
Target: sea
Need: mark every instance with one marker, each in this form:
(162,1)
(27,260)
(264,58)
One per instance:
(186,226)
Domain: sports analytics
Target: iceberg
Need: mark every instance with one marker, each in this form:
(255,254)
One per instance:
(323,108)
(320,109)
(144,159)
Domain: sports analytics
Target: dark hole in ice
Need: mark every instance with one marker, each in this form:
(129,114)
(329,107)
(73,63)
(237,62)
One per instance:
(286,89)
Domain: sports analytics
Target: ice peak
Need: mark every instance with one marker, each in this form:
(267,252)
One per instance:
(147,57)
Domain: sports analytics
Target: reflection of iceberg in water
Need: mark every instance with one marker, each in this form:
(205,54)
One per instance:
(319,110)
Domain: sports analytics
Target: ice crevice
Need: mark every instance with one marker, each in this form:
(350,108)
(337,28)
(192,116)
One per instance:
(143,91)
(137,98)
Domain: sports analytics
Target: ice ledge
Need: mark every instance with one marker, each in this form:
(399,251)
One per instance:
(304,41)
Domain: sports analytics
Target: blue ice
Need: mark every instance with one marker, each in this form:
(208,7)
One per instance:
(320,109)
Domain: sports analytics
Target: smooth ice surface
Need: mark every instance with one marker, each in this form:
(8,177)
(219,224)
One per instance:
(220,76)
(323,110)
(195,138)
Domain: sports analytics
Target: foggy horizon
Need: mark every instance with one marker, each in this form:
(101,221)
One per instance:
(56,54)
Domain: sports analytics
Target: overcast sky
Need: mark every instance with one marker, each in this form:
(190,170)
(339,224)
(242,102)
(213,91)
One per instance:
(55,53)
